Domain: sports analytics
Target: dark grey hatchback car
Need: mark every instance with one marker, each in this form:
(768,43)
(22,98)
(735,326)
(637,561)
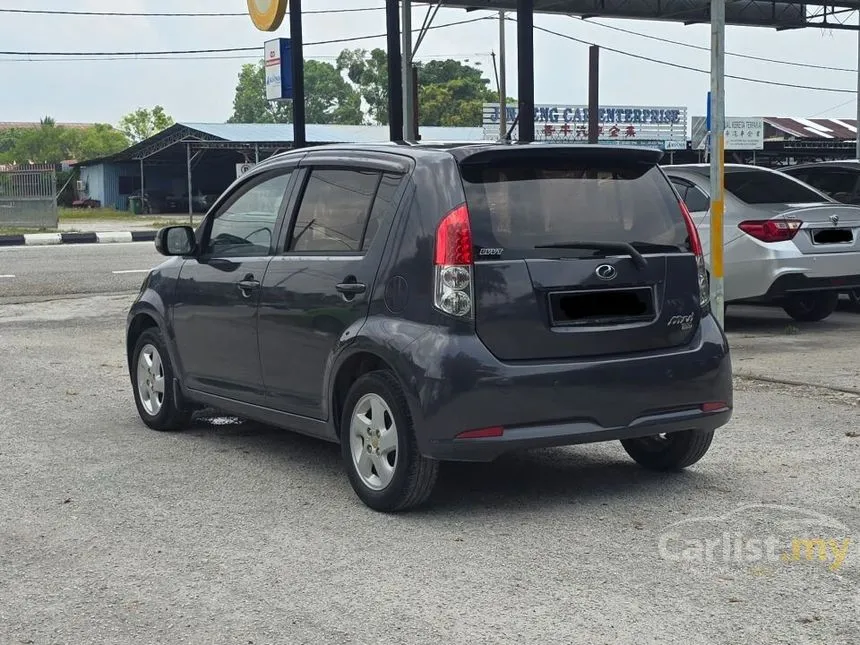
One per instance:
(422,303)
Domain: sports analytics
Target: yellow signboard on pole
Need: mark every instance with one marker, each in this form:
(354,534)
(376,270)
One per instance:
(267,14)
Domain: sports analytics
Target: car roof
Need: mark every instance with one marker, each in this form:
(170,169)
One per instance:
(847,164)
(704,169)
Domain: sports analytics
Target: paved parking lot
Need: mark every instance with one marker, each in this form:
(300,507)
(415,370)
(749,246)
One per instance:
(237,533)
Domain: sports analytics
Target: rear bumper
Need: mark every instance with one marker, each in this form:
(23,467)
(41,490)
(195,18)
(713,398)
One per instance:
(754,270)
(800,283)
(461,386)
(568,434)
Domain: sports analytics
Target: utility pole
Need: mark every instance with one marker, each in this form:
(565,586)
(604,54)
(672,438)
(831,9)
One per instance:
(526,70)
(503,90)
(717,143)
(593,93)
(298,70)
(406,71)
(395,71)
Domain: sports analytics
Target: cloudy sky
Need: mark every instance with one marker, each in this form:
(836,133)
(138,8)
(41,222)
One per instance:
(202,90)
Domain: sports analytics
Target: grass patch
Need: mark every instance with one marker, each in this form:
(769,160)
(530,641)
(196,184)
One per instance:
(24,231)
(94,213)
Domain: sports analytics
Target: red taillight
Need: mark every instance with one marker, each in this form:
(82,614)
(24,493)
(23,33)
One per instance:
(453,264)
(483,433)
(454,239)
(699,252)
(771,230)
(692,232)
(714,406)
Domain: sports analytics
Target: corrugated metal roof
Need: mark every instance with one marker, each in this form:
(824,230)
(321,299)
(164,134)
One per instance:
(277,132)
(800,128)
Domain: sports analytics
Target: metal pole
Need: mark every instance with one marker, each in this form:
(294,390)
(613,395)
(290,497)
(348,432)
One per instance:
(256,153)
(395,77)
(593,92)
(190,203)
(298,65)
(406,70)
(526,69)
(718,129)
(857,125)
(142,189)
(503,90)
(416,131)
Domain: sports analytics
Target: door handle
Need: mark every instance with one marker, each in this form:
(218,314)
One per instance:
(351,288)
(246,286)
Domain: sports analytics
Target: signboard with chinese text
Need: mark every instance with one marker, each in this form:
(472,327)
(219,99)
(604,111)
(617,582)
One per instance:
(279,74)
(741,133)
(664,127)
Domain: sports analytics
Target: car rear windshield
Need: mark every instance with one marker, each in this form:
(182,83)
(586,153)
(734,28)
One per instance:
(765,187)
(518,204)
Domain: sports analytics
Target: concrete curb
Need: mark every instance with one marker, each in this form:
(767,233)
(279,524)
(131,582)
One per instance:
(53,239)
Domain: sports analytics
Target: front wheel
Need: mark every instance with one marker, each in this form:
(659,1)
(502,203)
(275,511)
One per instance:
(674,451)
(378,446)
(813,306)
(152,380)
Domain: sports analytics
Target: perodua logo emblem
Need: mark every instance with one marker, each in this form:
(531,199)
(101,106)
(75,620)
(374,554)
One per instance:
(606,272)
(834,219)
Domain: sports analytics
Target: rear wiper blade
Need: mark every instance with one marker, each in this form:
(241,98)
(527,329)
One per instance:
(618,247)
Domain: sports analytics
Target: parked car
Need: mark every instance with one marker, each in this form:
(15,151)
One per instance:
(479,299)
(785,242)
(838,179)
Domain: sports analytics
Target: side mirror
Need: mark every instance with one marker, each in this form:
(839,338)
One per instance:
(176,240)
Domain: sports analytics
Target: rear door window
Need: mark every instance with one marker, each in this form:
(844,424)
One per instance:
(766,187)
(838,184)
(517,205)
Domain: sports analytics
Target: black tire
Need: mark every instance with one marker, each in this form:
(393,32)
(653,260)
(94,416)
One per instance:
(674,451)
(854,298)
(172,415)
(414,475)
(811,307)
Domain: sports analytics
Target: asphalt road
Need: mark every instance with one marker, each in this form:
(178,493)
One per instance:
(237,533)
(34,272)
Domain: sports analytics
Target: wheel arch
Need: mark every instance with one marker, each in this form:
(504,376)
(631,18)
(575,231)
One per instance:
(349,368)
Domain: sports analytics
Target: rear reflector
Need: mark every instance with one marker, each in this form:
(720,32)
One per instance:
(714,406)
(482,433)
(771,230)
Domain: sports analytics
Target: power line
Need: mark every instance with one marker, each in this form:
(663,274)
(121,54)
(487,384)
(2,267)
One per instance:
(223,14)
(708,49)
(215,57)
(696,69)
(227,50)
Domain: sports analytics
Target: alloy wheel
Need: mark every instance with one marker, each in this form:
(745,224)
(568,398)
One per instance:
(373,441)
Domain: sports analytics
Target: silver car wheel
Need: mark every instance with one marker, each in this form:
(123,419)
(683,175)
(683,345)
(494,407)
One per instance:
(373,441)
(150,380)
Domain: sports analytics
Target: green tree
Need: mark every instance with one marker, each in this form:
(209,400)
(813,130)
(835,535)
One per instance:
(451,93)
(100,140)
(329,98)
(143,123)
(368,71)
(250,104)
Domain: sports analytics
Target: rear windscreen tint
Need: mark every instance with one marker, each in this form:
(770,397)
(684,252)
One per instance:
(517,205)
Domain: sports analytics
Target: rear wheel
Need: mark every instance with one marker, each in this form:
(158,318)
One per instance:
(854,297)
(152,380)
(674,451)
(378,446)
(811,307)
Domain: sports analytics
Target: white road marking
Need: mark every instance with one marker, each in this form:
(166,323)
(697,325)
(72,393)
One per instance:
(131,271)
(7,276)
